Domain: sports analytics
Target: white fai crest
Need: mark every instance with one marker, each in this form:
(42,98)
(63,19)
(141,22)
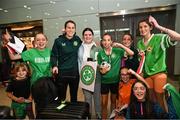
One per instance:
(63,44)
(113,55)
(75,43)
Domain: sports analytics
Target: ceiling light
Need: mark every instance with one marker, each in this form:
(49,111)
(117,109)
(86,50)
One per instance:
(29,8)
(29,17)
(146,1)
(25,6)
(5,10)
(52,2)
(122,12)
(68,11)
(1,9)
(47,13)
(22,28)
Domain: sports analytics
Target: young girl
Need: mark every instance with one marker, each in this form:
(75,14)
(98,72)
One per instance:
(154,47)
(110,78)
(130,62)
(38,58)
(140,106)
(125,87)
(89,49)
(19,92)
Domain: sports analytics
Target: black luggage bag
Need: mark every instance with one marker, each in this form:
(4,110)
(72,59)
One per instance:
(75,110)
(5,112)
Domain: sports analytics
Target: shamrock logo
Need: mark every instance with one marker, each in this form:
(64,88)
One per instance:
(87,74)
(75,43)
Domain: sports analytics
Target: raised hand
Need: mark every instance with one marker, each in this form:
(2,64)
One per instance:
(153,21)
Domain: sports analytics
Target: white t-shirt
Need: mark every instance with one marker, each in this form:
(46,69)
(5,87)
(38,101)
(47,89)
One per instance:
(87,48)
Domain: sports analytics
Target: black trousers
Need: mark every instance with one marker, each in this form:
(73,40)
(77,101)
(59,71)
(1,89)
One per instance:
(63,81)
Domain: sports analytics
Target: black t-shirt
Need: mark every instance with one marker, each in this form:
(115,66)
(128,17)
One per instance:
(19,88)
(133,62)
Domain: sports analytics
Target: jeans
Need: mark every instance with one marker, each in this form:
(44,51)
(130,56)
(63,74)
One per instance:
(96,96)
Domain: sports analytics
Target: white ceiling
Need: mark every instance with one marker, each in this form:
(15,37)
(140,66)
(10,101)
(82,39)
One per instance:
(12,4)
(15,10)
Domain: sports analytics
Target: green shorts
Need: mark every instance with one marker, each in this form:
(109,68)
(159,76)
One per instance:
(19,109)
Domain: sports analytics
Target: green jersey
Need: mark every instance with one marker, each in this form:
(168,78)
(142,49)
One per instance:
(39,62)
(155,52)
(112,76)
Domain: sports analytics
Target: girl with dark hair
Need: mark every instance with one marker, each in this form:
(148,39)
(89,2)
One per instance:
(89,50)
(109,60)
(64,61)
(140,106)
(154,47)
(130,61)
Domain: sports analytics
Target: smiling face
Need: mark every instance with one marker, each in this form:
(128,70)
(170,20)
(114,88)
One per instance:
(145,29)
(70,30)
(40,41)
(21,73)
(139,91)
(106,42)
(125,77)
(88,37)
(127,41)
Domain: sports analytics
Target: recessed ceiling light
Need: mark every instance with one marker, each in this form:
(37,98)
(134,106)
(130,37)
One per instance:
(29,17)
(5,10)
(122,12)
(29,8)
(47,13)
(68,11)
(25,6)
(146,1)
(1,9)
(52,2)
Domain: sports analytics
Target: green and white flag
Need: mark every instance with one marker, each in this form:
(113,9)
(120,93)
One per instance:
(88,75)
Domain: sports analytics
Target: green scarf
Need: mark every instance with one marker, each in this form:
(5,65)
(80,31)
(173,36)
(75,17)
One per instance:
(175,97)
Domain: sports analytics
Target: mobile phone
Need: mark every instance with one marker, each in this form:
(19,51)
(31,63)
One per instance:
(89,59)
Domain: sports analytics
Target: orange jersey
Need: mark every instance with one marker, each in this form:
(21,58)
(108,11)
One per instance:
(124,92)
